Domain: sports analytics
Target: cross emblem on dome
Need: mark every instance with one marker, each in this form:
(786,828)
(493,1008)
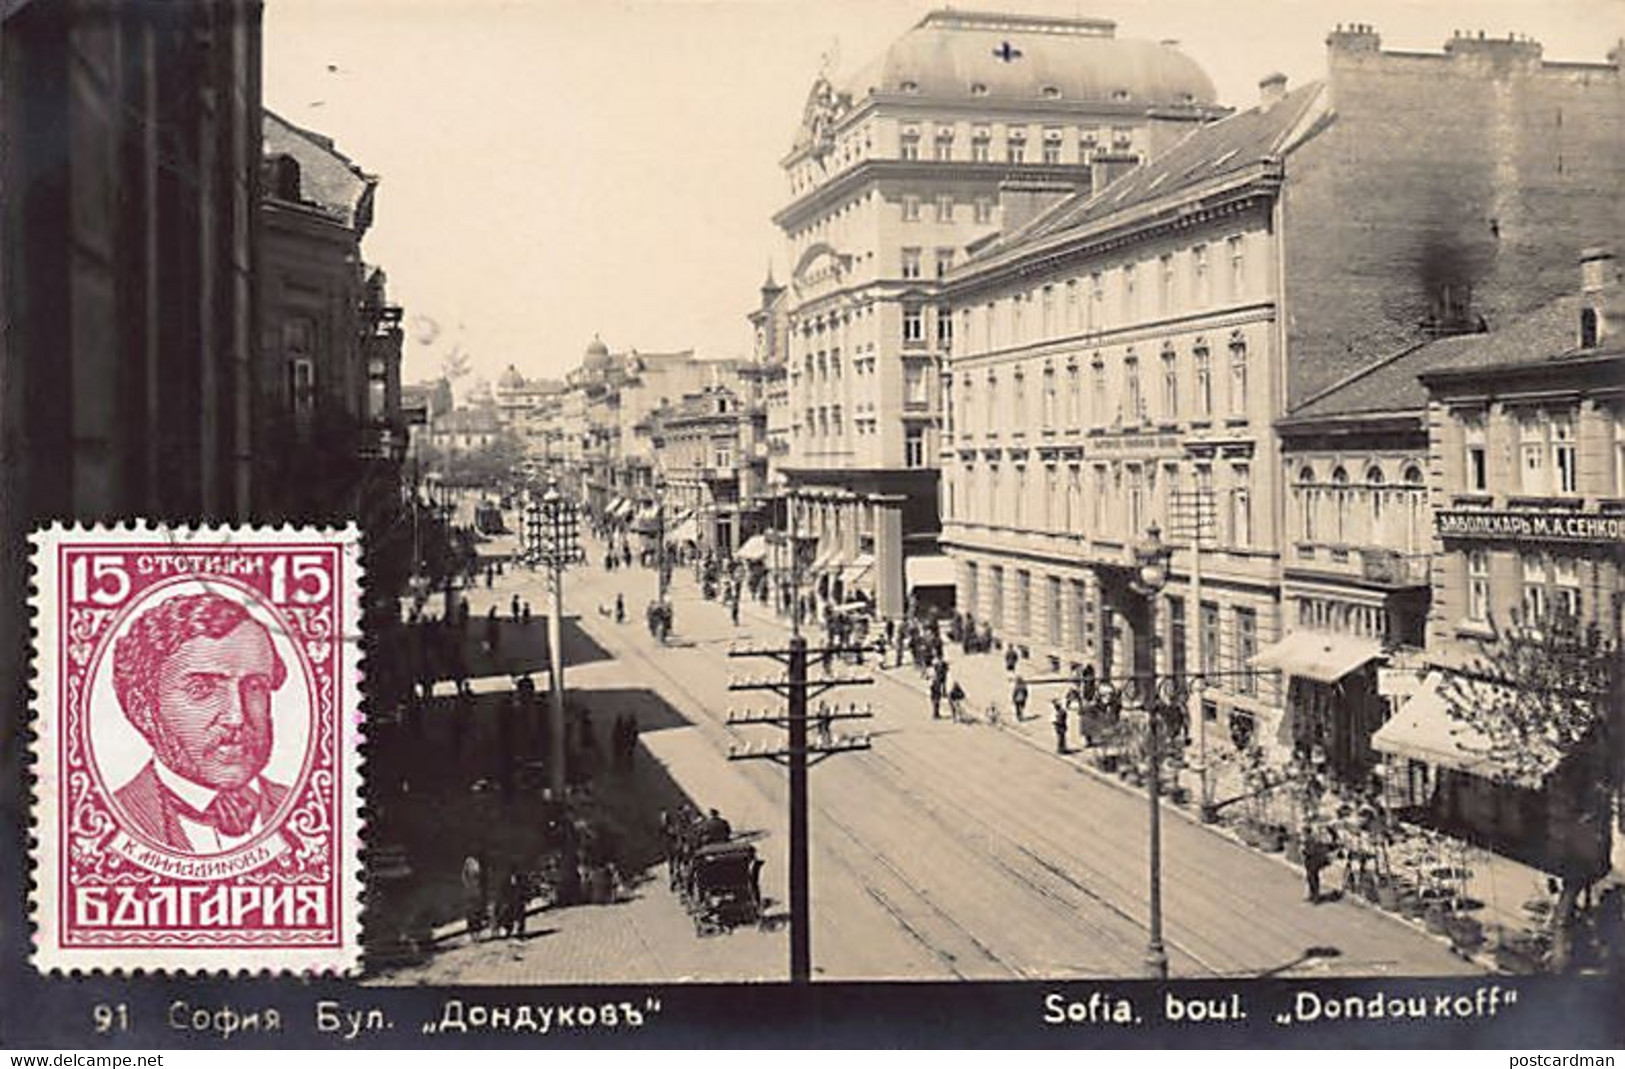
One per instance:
(1007,52)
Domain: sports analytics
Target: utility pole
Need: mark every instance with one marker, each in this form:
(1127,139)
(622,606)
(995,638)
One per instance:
(798,754)
(1192,519)
(558,547)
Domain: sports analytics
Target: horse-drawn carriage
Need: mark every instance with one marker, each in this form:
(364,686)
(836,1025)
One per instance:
(719,883)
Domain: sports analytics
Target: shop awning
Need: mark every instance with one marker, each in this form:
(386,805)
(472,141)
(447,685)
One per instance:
(755,548)
(1319,656)
(648,520)
(931,569)
(685,530)
(1424,730)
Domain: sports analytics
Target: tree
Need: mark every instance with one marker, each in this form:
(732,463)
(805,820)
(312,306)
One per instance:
(1541,702)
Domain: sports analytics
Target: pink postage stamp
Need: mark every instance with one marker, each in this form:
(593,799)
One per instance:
(197,776)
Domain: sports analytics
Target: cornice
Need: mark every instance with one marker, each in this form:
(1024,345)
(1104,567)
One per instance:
(873,172)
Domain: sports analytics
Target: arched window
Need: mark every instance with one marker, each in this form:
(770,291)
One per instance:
(1415,508)
(1340,504)
(1373,482)
(1306,501)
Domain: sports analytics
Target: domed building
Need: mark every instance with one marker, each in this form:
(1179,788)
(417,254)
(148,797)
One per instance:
(596,358)
(969,124)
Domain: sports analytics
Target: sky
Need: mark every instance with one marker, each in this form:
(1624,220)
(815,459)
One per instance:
(554,169)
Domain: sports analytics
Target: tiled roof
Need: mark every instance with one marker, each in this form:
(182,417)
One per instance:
(1208,152)
(1549,332)
(327,177)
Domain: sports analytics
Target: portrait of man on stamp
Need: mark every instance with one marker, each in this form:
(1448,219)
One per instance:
(196,675)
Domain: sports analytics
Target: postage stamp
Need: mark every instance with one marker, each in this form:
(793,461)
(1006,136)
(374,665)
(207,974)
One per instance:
(197,768)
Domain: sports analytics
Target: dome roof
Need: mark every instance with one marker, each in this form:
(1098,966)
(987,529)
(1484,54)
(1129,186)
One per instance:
(965,55)
(511,379)
(597,356)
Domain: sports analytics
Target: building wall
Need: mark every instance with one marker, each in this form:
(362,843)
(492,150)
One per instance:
(1493,169)
(1481,580)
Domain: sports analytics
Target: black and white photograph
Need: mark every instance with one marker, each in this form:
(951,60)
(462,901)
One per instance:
(878,495)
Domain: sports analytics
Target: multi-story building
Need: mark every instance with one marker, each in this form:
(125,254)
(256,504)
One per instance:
(894,173)
(1120,361)
(329,380)
(519,399)
(1526,450)
(713,458)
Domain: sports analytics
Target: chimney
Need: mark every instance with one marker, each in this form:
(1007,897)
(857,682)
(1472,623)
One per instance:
(1354,38)
(1270,90)
(1022,200)
(1107,167)
(1602,311)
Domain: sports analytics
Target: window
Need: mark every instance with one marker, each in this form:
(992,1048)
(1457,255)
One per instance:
(1165,283)
(1619,452)
(1340,505)
(1074,396)
(1531,453)
(1130,308)
(914,447)
(1052,611)
(996,606)
(724,457)
(913,326)
(1015,151)
(992,403)
(1047,505)
(945,210)
(1021,495)
(1136,499)
(910,145)
(1024,603)
(1564,469)
(945,146)
(1537,574)
(1097,301)
(1170,385)
(1049,397)
(1476,457)
(1566,574)
(914,384)
(1246,647)
(1238,377)
(1238,267)
(979,151)
(1052,151)
(1374,486)
(1073,517)
(1097,524)
(1133,403)
(1204,381)
(1199,278)
(1241,505)
(302,385)
(945,329)
(1210,638)
(1018,415)
(1098,389)
(1071,305)
(984,209)
(1046,308)
(911,263)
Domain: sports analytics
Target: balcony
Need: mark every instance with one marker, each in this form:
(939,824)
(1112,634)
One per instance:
(1392,569)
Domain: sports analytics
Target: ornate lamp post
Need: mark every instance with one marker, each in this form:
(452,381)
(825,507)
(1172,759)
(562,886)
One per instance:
(1151,559)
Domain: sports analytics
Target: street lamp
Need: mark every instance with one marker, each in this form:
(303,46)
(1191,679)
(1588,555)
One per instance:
(660,543)
(1151,560)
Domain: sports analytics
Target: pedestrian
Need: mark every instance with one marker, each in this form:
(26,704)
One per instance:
(733,607)
(474,895)
(956,701)
(524,613)
(1018,696)
(1316,856)
(1059,723)
(490,575)
(493,632)
(936,697)
(513,609)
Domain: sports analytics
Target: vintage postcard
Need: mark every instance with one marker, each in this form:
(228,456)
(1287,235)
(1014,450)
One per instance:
(693,521)
(197,802)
